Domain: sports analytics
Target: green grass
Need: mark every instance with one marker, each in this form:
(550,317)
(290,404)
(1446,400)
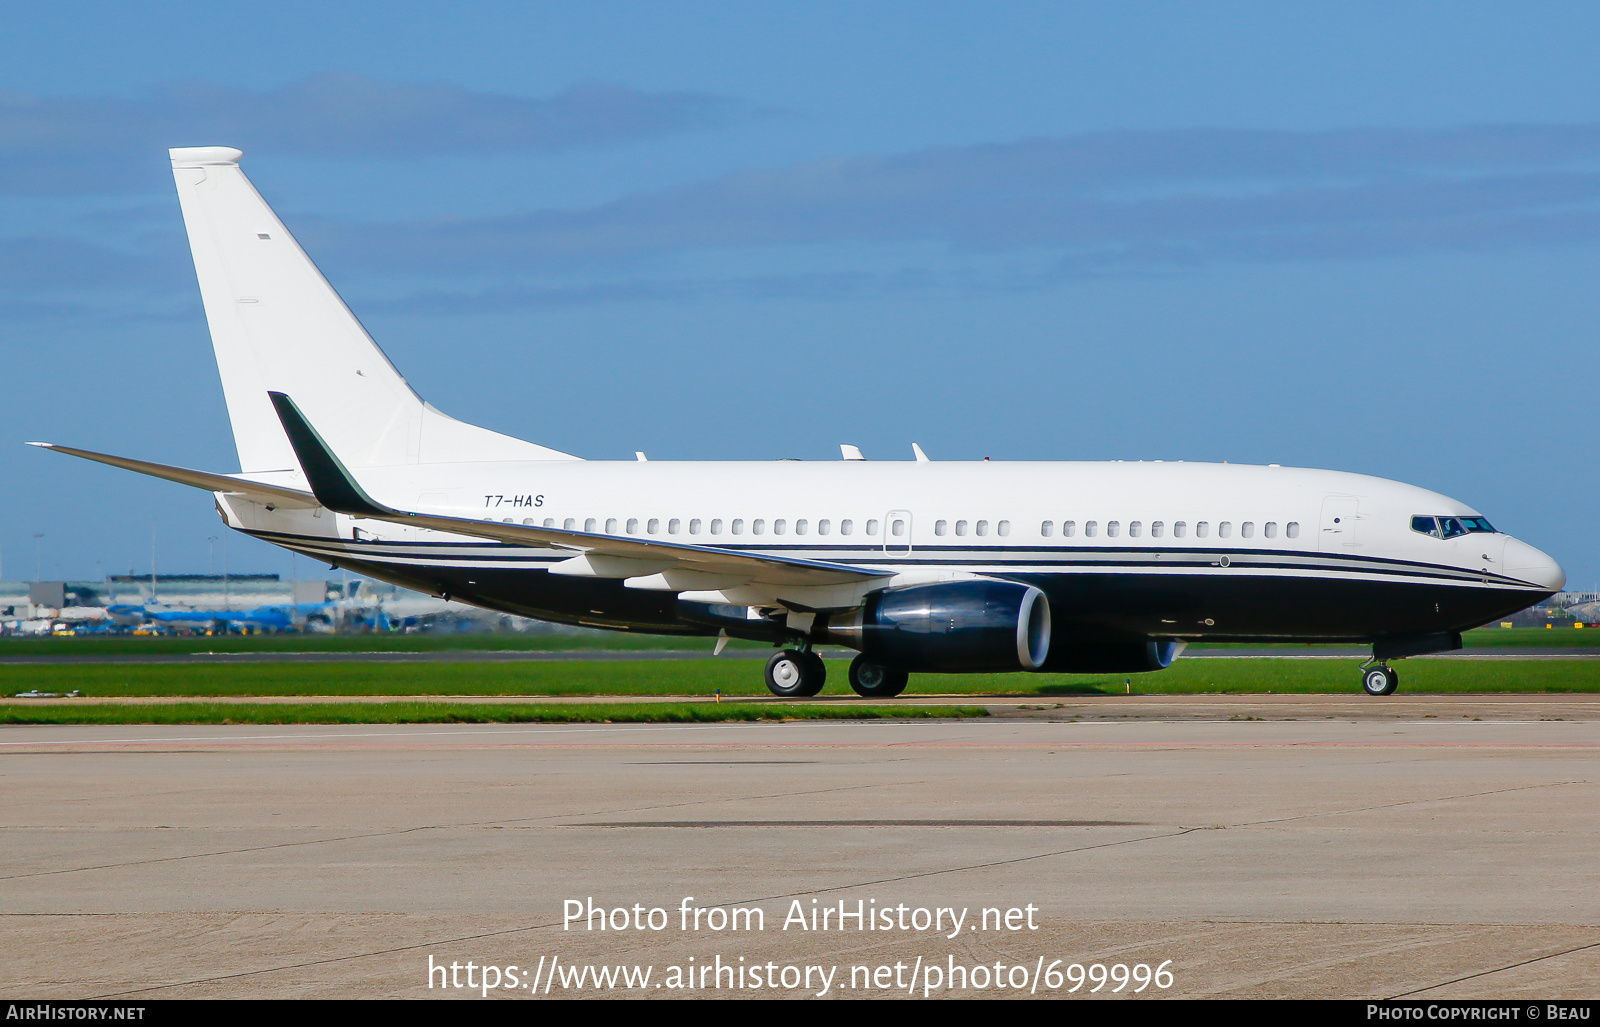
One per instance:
(1534,637)
(458,713)
(177,645)
(743,678)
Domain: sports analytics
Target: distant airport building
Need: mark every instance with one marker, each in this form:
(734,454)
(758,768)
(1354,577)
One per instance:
(189,603)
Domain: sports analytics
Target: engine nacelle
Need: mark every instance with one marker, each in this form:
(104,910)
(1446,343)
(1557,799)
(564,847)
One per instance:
(1113,657)
(950,627)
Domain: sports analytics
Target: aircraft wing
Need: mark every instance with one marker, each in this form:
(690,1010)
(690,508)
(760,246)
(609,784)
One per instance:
(606,556)
(275,495)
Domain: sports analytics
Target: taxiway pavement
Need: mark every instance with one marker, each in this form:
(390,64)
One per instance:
(1429,852)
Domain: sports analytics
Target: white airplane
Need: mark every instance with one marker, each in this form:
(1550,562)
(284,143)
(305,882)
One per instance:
(919,565)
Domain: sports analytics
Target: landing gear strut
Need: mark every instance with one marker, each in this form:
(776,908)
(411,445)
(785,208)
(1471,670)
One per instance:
(872,680)
(1379,679)
(795,673)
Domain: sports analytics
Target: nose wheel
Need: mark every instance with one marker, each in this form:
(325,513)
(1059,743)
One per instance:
(1379,680)
(795,674)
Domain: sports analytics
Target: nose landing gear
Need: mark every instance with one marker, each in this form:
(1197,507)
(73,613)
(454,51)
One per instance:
(1379,679)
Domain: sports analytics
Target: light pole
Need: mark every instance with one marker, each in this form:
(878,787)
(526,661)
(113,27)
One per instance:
(38,550)
(211,561)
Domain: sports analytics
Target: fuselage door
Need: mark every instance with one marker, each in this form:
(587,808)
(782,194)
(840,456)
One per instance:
(897,532)
(1341,522)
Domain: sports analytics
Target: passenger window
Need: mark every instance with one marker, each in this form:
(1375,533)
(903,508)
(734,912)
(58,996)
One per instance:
(1047,528)
(1003,528)
(738,525)
(528,521)
(1202,529)
(1156,528)
(1134,528)
(1270,529)
(569,524)
(941,527)
(898,528)
(694,525)
(588,524)
(845,526)
(758,526)
(1247,529)
(672,526)
(1091,528)
(1225,529)
(611,525)
(961,527)
(872,526)
(800,526)
(549,522)
(1292,529)
(653,526)
(983,527)
(1069,529)
(716,526)
(633,525)
(1113,529)
(779,525)
(823,526)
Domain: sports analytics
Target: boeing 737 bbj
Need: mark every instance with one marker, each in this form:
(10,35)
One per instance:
(918,565)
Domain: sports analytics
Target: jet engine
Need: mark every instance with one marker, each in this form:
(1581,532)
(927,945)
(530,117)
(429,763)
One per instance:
(950,627)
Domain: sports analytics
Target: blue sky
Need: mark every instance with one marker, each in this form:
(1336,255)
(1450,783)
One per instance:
(1359,236)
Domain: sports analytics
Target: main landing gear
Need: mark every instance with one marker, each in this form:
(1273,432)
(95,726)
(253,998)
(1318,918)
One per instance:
(1379,679)
(795,673)
(799,674)
(872,680)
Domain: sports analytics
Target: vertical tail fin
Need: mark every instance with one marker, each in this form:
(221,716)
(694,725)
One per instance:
(278,326)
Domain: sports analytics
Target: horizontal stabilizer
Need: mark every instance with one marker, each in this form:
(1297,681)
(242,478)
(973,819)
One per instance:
(276,495)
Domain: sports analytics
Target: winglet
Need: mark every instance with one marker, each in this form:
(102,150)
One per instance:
(916,450)
(333,485)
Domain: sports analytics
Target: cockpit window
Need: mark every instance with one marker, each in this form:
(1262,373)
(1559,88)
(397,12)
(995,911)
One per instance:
(1451,527)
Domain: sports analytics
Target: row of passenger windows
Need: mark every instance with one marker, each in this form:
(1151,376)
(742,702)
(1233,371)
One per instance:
(978,528)
(758,526)
(1180,529)
(897,527)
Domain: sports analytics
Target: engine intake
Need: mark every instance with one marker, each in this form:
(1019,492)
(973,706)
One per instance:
(950,627)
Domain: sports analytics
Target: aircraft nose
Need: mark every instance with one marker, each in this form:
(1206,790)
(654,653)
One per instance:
(1529,564)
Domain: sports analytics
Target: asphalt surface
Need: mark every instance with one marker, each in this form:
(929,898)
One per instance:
(1268,846)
